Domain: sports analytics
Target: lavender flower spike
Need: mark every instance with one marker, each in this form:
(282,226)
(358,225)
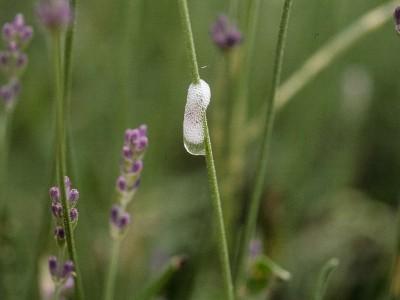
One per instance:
(224,34)
(55,15)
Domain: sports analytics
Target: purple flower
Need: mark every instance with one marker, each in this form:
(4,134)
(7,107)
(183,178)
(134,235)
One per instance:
(396,16)
(53,266)
(57,210)
(73,196)
(119,219)
(68,268)
(59,233)
(54,194)
(16,33)
(74,214)
(10,92)
(55,15)
(224,34)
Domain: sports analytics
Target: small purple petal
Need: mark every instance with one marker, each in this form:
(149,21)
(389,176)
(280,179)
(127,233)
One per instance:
(74,214)
(73,196)
(68,268)
(137,166)
(121,184)
(54,194)
(53,266)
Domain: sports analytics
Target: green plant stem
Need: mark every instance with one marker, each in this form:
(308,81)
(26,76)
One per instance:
(61,159)
(154,289)
(255,199)
(4,117)
(190,48)
(223,245)
(112,270)
(212,175)
(326,55)
(68,47)
(324,277)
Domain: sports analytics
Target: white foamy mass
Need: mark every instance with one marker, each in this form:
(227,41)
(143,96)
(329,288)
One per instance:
(198,99)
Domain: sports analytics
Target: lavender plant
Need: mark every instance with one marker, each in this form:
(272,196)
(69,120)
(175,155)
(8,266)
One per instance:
(57,16)
(13,61)
(127,184)
(60,268)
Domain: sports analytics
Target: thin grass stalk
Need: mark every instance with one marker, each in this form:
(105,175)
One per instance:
(112,270)
(61,165)
(325,56)
(238,118)
(255,199)
(212,175)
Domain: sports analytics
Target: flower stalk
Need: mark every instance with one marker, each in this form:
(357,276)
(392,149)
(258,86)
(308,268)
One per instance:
(61,164)
(212,176)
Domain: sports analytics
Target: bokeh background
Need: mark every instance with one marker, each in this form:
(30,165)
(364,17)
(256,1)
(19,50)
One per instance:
(333,177)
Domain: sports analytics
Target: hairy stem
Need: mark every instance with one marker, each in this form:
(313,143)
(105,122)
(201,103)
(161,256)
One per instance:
(112,270)
(258,188)
(61,159)
(212,176)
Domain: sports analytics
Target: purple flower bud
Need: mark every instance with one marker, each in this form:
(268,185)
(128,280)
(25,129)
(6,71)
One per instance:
(56,209)
(73,196)
(26,34)
(19,21)
(54,194)
(114,214)
(59,233)
(74,214)
(67,183)
(255,248)
(224,34)
(142,143)
(137,166)
(133,135)
(21,60)
(4,59)
(8,32)
(55,15)
(68,268)
(143,130)
(124,221)
(127,152)
(396,16)
(121,184)
(53,266)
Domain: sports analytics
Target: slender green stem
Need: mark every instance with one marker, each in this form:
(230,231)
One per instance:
(154,289)
(212,175)
(324,277)
(223,245)
(4,117)
(61,160)
(266,137)
(326,55)
(68,47)
(191,50)
(57,292)
(112,270)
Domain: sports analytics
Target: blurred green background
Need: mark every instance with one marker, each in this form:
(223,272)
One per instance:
(333,178)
